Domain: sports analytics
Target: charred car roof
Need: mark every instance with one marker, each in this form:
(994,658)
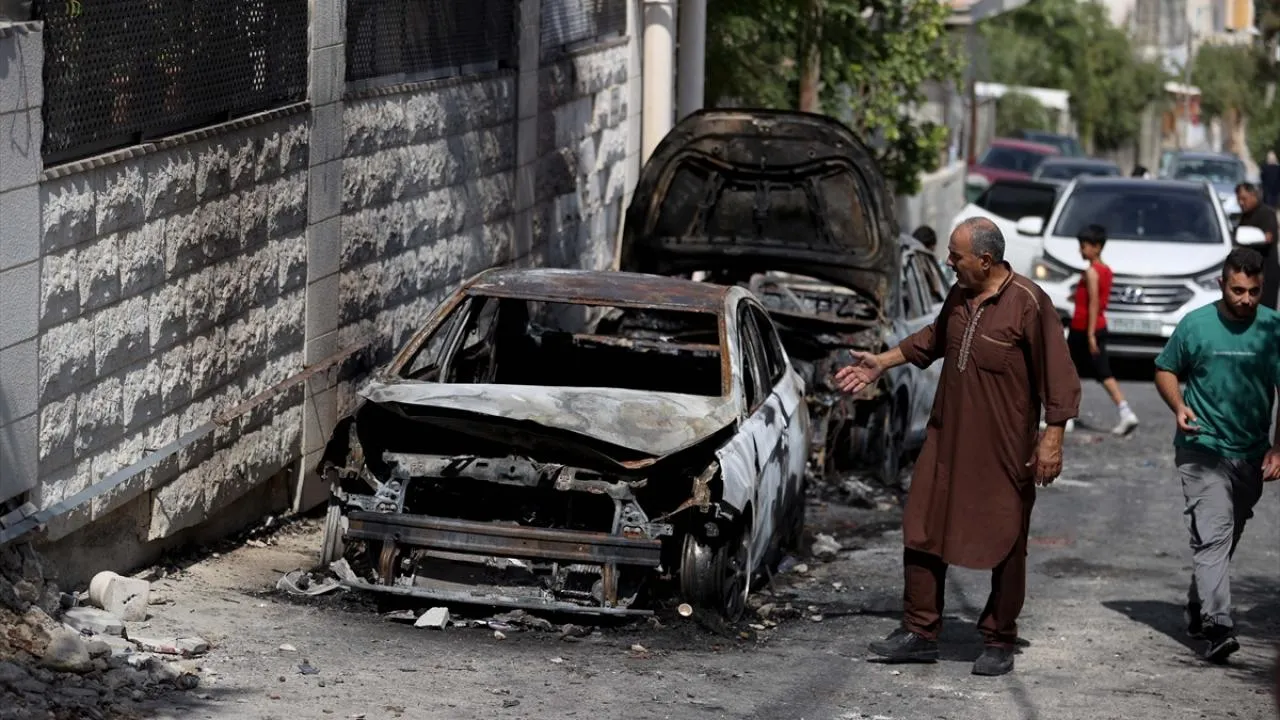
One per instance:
(760,190)
(600,287)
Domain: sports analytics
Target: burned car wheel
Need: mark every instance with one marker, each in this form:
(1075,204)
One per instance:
(889,465)
(335,529)
(715,576)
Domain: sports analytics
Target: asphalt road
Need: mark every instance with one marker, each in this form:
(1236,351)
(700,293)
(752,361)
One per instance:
(1102,626)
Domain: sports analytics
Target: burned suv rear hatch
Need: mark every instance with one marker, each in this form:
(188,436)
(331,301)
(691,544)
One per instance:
(761,190)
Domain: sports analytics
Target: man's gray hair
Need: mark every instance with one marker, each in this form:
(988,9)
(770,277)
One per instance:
(985,237)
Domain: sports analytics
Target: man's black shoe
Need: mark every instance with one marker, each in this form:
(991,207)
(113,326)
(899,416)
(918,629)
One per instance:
(1220,643)
(904,646)
(1195,623)
(994,661)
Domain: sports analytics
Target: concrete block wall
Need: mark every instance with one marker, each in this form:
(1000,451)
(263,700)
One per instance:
(144,292)
(172,287)
(581,168)
(940,199)
(21,95)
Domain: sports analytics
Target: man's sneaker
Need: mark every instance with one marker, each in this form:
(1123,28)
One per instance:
(994,661)
(904,646)
(1128,422)
(1220,642)
(1195,623)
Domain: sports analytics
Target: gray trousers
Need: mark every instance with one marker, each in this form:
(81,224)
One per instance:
(1220,494)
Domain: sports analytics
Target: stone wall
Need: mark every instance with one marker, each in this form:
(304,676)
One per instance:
(146,292)
(170,289)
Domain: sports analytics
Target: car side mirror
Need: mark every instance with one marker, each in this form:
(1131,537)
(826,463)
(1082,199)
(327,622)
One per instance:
(1030,225)
(1249,235)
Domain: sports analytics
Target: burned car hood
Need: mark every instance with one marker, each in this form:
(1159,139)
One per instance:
(655,424)
(759,190)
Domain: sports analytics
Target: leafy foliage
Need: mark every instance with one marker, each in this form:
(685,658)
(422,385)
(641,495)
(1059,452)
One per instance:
(1073,46)
(1016,111)
(1227,76)
(872,59)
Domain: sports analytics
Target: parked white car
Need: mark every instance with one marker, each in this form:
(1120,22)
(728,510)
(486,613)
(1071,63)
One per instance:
(1166,241)
(1004,202)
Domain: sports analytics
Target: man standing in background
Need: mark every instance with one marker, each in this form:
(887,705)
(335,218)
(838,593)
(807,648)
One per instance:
(1226,354)
(1255,213)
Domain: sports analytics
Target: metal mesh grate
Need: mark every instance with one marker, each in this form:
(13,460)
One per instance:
(121,72)
(402,40)
(568,22)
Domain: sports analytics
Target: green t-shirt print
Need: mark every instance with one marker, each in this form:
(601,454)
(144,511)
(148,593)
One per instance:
(1230,370)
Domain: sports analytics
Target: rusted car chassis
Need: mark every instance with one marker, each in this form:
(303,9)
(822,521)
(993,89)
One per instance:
(469,545)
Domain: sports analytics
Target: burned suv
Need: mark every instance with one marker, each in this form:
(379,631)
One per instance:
(792,206)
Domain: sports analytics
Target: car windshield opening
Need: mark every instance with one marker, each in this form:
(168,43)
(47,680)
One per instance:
(507,341)
(1064,171)
(1007,158)
(1014,202)
(1172,215)
(1218,172)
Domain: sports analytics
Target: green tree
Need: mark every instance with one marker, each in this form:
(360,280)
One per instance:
(1228,78)
(1073,46)
(1016,110)
(866,61)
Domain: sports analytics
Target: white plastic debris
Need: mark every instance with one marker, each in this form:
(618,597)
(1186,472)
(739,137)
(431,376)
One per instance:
(299,582)
(825,547)
(126,598)
(436,618)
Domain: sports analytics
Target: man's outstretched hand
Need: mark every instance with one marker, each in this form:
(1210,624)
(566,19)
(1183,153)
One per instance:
(864,371)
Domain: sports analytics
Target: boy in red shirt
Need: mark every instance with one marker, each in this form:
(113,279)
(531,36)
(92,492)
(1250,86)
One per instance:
(1087,337)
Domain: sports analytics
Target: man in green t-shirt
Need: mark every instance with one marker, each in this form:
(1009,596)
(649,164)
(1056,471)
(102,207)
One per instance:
(1228,354)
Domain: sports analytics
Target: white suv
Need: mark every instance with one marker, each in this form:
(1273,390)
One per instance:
(1166,241)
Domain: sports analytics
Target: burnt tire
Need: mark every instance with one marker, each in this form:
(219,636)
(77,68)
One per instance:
(888,466)
(715,576)
(333,546)
(793,529)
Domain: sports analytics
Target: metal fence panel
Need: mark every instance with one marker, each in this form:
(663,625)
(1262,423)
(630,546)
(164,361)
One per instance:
(121,72)
(570,22)
(405,40)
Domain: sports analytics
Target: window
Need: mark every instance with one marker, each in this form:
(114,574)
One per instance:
(913,297)
(1014,201)
(124,72)
(774,355)
(568,23)
(1164,214)
(1221,172)
(396,41)
(508,341)
(935,288)
(756,385)
(1000,157)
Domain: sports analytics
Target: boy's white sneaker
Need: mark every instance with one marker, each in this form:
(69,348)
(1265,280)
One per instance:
(1128,422)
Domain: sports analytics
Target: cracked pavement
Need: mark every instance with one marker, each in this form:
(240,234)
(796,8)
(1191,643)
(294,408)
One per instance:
(1102,626)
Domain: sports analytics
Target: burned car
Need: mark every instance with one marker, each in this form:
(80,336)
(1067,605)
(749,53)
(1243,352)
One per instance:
(570,441)
(792,206)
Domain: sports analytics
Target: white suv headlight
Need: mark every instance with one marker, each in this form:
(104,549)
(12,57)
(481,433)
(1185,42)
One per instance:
(1047,269)
(1209,281)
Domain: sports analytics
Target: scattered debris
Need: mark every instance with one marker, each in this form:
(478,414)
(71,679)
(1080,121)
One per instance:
(436,617)
(788,563)
(184,646)
(519,618)
(126,598)
(638,648)
(858,493)
(287,648)
(94,621)
(300,582)
(825,547)
(685,609)
(800,569)
(67,652)
(306,668)
(498,635)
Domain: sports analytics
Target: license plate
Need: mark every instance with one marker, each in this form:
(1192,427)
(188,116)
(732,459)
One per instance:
(1133,325)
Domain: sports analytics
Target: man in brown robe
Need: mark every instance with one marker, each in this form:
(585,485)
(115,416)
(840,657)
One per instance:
(974,485)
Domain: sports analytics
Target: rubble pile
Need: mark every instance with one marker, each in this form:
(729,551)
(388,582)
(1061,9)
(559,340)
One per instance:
(61,660)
